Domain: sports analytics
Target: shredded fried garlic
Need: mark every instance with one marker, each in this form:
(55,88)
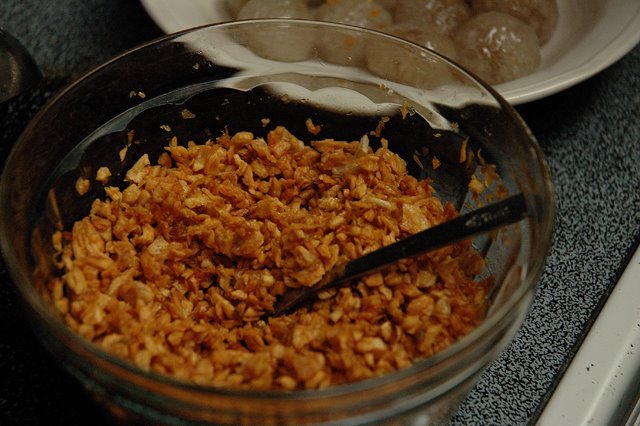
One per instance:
(175,271)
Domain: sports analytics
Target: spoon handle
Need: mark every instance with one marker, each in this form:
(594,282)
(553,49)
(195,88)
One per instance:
(18,70)
(484,219)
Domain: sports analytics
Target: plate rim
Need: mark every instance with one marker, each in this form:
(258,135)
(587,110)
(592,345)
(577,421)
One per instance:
(162,11)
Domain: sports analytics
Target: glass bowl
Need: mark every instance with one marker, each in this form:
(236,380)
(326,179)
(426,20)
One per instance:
(234,76)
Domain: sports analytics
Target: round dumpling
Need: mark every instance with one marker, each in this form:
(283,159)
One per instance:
(444,16)
(497,47)
(387,4)
(349,49)
(254,9)
(424,36)
(542,15)
(404,64)
(274,42)
(234,6)
(368,14)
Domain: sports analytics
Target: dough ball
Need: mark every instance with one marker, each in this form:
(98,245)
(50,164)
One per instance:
(497,47)
(368,14)
(349,49)
(444,16)
(426,37)
(234,6)
(275,42)
(405,64)
(542,15)
(274,9)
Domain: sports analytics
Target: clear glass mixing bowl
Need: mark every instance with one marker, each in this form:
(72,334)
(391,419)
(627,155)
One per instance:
(233,75)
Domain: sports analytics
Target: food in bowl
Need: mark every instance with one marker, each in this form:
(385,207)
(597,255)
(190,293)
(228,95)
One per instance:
(178,271)
(499,40)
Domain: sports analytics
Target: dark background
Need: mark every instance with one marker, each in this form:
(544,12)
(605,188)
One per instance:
(590,135)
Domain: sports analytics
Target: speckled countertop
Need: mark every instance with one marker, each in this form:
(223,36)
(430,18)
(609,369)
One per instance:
(590,135)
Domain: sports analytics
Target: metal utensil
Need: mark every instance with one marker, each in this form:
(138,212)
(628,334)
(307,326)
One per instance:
(484,219)
(18,70)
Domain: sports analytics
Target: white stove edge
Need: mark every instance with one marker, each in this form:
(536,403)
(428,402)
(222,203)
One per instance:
(601,386)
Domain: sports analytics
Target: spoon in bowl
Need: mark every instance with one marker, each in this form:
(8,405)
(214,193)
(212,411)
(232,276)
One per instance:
(495,215)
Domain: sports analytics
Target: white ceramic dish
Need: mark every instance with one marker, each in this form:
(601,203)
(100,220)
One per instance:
(591,35)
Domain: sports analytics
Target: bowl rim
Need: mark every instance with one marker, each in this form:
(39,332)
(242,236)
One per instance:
(35,302)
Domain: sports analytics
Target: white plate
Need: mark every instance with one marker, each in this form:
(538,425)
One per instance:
(591,35)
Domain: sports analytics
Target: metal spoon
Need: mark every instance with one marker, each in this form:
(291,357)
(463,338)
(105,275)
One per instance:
(18,70)
(495,215)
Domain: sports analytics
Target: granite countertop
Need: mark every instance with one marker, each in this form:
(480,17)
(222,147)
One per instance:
(590,135)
